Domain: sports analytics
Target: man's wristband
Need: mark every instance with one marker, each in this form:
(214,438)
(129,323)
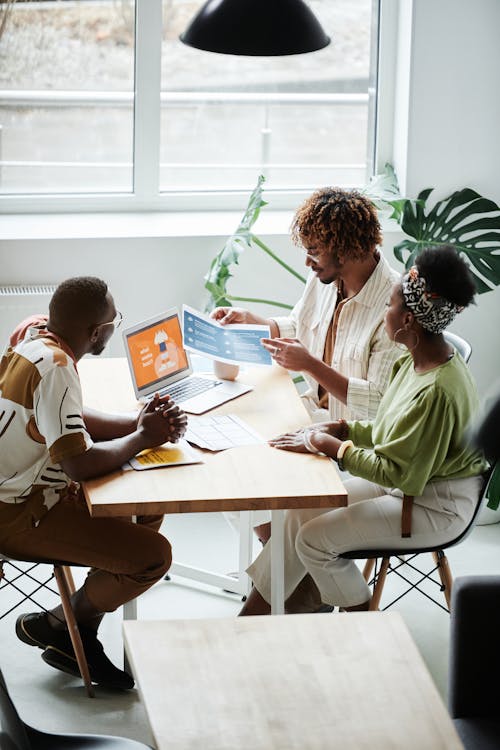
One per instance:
(340,453)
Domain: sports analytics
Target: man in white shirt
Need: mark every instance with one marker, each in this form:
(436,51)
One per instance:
(49,443)
(335,333)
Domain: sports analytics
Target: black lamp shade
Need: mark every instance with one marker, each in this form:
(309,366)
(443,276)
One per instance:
(255,27)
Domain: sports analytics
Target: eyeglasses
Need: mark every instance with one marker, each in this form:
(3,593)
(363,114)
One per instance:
(116,322)
(315,253)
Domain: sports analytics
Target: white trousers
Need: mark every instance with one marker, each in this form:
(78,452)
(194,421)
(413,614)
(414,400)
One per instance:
(315,538)
(258,518)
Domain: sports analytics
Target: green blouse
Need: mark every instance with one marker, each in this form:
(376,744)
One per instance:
(417,435)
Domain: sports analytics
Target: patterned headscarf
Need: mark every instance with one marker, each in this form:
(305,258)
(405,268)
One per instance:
(434,313)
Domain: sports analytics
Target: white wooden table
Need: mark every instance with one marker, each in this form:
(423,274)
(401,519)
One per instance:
(352,681)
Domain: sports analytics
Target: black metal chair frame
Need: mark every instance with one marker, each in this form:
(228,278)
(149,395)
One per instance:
(61,573)
(21,574)
(403,561)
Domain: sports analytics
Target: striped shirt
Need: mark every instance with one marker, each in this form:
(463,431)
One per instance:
(362,351)
(41,416)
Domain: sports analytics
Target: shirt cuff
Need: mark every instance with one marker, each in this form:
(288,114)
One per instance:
(359,402)
(286,327)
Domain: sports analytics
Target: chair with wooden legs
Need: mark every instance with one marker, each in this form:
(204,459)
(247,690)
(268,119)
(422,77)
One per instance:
(403,563)
(37,579)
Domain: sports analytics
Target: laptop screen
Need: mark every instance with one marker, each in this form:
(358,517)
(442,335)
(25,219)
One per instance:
(155,351)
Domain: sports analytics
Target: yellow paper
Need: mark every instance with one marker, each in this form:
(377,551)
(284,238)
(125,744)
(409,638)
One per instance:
(159,456)
(175,455)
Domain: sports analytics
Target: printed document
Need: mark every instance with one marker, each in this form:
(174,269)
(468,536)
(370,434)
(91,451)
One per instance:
(169,454)
(220,432)
(235,343)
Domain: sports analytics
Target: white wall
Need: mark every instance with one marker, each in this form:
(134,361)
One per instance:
(446,128)
(448,66)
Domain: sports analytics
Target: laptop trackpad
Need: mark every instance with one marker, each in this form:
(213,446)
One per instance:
(214,397)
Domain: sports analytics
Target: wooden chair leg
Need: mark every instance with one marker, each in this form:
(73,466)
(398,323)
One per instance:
(68,573)
(65,593)
(445,575)
(368,569)
(379,584)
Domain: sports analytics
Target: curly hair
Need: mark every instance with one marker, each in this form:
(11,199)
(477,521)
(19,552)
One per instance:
(82,299)
(446,273)
(344,221)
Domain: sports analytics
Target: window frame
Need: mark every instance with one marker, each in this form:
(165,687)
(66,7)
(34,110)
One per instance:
(145,195)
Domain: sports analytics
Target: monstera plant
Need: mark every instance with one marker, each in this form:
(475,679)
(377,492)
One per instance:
(465,220)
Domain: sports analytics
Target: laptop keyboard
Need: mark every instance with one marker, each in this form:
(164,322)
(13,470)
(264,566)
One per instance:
(188,388)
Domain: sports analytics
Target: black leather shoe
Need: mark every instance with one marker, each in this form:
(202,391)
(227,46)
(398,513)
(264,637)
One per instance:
(34,629)
(102,671)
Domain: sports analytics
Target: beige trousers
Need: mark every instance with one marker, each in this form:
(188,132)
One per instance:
(316,539)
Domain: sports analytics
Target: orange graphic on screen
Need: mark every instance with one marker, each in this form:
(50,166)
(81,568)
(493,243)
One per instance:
(157,352)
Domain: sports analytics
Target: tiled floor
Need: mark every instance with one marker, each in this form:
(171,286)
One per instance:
(53,701)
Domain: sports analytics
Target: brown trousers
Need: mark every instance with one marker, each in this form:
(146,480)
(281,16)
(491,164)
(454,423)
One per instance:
(125,558)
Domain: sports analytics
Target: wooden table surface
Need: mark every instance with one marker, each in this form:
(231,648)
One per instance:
(302,682)
(246,478)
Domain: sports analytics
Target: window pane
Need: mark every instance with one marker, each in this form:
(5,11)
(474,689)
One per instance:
(67,74)
(301,119)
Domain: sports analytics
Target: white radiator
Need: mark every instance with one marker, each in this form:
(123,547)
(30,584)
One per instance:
(19,302)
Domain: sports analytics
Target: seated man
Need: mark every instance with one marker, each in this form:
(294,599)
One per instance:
(49,442)
(335,333)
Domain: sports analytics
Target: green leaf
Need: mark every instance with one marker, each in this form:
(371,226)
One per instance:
(493,489)
(465,219)
(219,274)
(383,188)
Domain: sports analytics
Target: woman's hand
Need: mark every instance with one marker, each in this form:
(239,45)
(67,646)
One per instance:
(312,439)
(289,353)
(290,441)
(338,429)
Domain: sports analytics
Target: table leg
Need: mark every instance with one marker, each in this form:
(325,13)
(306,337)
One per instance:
(130,610)
(245,553)
(277,562)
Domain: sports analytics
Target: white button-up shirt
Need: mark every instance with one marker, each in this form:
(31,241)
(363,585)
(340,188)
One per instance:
(363,352)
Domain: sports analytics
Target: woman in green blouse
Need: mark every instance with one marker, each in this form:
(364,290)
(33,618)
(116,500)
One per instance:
(414,448)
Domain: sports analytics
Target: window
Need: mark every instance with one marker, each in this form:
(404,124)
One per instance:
(67,74)
(102,107)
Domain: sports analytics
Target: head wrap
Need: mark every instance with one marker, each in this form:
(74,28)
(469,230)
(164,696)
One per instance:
(434,313)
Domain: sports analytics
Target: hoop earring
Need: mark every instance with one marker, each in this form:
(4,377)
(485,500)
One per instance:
(400,344)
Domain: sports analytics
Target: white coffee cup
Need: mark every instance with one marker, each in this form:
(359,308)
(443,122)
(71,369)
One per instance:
(225,371)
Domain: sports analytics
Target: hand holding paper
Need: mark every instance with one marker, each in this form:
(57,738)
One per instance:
(234,343)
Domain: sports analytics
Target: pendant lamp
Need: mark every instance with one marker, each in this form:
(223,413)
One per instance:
(255,27)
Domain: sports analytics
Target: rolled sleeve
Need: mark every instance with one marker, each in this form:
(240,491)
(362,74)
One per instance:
(59,413)
(287,327)
(362,398)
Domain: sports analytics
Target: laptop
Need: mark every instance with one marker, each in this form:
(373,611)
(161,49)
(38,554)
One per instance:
(159,363)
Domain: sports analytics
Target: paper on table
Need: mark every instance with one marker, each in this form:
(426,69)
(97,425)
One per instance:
(165,455)
(234,343)
(220,432)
